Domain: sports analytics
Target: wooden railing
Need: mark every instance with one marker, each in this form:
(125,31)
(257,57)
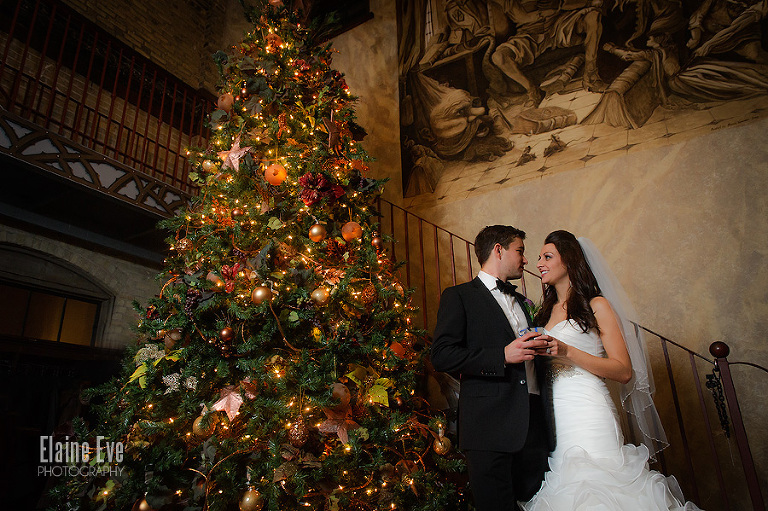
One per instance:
(698,421)
(68,76)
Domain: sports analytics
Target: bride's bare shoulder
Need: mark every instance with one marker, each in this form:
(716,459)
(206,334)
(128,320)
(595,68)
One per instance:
(600,305)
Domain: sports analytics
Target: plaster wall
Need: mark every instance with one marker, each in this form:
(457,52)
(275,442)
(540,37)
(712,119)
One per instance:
(683,226)
(367,55)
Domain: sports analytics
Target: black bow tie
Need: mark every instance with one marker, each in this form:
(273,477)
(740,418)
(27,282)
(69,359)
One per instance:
(506,287)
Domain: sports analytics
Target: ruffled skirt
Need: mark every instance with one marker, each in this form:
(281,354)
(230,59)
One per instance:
(591,468)
(622,482)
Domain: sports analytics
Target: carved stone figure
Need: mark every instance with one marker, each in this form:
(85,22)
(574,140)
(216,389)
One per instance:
(720,26)
(704,79)
(573,23)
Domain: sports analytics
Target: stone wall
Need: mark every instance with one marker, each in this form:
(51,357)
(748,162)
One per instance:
(125,281)
(178,35)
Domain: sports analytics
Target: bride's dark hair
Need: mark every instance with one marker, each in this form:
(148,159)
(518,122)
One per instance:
(583,284)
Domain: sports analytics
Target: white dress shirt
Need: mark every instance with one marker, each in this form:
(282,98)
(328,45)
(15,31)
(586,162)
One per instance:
(516,317)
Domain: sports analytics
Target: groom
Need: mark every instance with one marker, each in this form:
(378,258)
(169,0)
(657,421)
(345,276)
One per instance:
(503,428)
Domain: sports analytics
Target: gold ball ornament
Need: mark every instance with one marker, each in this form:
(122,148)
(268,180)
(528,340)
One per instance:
(204,431)
(237,213)
(225,101)
(261,294)
(209,166)
(442,445)
(299,433)
(321,295)
(142,505)
(351,231)
(377,242)
(275,174)
(317,233)
(251,500)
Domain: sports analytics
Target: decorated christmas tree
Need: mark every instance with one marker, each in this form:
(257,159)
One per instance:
(277,369)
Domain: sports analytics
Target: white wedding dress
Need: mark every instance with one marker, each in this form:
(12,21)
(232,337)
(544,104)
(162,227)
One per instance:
(591,468)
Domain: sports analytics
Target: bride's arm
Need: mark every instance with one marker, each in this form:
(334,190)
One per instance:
(616,365)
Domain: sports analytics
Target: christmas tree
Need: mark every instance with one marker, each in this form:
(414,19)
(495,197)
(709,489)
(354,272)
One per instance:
(277,369)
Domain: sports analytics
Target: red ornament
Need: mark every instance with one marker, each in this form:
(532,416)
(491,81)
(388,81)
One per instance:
(275,174)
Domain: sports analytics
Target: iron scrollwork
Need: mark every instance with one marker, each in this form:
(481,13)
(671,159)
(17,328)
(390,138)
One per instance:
(716,387)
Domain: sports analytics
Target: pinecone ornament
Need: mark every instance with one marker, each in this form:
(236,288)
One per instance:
(299,433)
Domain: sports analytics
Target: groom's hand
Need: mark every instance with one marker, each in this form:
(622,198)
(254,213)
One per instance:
(523,348)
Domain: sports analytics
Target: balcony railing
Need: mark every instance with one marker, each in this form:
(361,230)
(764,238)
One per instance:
(698,420)
(68,76)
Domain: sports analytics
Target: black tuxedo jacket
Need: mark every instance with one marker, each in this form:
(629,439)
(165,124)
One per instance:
(469,339)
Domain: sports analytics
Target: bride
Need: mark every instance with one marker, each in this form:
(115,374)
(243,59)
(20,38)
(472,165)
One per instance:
(585,311)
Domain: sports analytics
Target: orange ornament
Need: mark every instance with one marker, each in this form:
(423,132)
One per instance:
(351,231)
(340,393)
(275,174)
(398,349)
(225,101)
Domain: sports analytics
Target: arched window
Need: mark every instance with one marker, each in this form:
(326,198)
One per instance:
(44,298)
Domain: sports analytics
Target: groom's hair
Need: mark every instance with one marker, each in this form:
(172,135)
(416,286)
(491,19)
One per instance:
(487,238)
